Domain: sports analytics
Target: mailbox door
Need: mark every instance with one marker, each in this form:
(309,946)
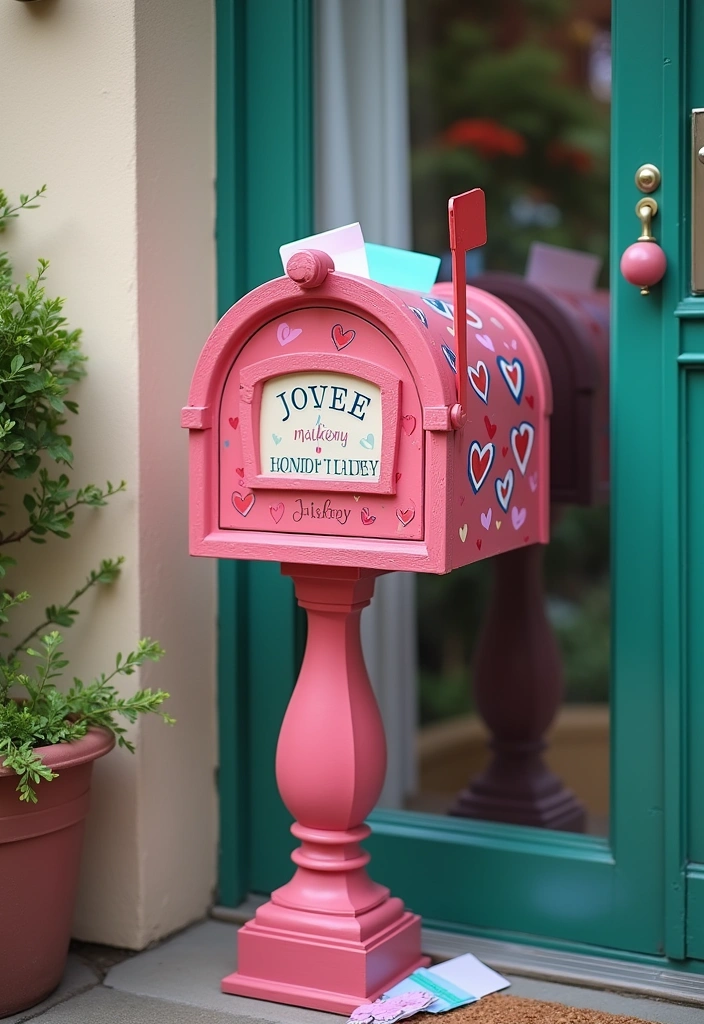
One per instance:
(320,432)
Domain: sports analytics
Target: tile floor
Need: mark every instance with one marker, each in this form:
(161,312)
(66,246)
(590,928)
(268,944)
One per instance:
(177,982)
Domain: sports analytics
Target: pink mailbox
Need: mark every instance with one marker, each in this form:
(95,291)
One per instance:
(347,429)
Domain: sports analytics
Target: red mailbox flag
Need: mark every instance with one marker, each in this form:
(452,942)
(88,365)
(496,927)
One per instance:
(467,214)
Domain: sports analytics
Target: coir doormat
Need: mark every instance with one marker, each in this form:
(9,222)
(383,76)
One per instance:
(514,1010)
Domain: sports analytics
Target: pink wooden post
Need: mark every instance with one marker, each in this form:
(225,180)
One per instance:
(328,432)
(330,937)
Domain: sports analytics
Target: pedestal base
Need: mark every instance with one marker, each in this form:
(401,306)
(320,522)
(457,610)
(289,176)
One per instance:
(323,972)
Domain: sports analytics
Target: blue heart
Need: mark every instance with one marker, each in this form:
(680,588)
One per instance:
(277,439)
(450,356)
(367,442)
(440,306)
(420,314)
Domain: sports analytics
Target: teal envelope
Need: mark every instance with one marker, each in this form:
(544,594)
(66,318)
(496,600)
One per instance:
(399,268)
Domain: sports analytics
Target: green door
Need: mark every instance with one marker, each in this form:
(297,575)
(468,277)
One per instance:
(640,891)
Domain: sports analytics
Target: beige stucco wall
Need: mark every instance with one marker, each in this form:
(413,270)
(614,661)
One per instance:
(112,105)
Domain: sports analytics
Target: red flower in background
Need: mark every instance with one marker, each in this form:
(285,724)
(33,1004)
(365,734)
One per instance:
(562,154)
(486,136)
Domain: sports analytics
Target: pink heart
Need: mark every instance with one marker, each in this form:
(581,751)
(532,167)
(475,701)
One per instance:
(533,481)
(514,344)
(485,340)
(285,334)
(318,451)
(518,517)
(486,519)
(277,511)
(409,424)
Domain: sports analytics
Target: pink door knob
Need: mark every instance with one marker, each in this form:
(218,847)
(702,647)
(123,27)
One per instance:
(643,264)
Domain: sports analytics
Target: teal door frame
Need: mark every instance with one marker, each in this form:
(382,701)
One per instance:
(264,198)
(630,894)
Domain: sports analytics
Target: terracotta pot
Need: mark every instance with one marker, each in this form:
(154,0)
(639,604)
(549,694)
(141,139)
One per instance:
(40,853)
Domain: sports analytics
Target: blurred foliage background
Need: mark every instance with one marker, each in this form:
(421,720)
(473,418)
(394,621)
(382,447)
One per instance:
(512,96)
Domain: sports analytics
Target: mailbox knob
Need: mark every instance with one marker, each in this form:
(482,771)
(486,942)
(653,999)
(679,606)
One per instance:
(458,416)
(644,263)
(309,267)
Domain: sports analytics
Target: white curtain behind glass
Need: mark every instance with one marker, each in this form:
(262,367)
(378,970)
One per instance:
(362,174)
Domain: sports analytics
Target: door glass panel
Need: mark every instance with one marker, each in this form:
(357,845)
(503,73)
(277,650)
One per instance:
(514,97)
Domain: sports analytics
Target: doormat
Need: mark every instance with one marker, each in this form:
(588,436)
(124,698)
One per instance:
(515,1010)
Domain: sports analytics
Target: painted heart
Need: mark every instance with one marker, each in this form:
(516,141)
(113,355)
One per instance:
(474,321)
(243,503)
(234,422)
(463,533)
(420,314)
(533,481)
(367,442)
(356,497)
(504,490)
(285,334)
(497,524)
(479,462)
(450,356)
(513,375)
(342,338)
(318,451)
(367,517)
(479,379)
(405,516)
(514,344)
(504,451)
(485,519)
(398,477)
(277,511)
(526,539)
(276,439)
(485,340)
(409,424)
(239,470)
(518,517)
(490,427)
(479,544)
(522,438)
(440,306)
(530,400)
(226,444)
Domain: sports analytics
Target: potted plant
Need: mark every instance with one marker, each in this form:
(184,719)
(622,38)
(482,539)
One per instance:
(50,734)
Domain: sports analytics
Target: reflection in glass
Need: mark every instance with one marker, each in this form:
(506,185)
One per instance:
(513,97)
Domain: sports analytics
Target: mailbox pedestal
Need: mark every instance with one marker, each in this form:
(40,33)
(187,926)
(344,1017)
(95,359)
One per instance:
(331,925)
